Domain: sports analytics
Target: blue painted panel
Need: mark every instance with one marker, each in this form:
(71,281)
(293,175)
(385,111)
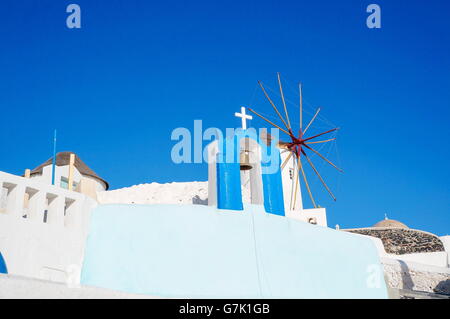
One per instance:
(229,193)
(3,269)
(273,192)
(199,251)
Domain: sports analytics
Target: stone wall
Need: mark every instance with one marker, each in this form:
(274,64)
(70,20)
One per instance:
(403,241)
(401,275)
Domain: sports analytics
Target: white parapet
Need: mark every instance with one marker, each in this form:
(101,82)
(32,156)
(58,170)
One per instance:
(316,216)
(43,228)
(446,241)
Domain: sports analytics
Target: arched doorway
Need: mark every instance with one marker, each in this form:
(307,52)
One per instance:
(251,180)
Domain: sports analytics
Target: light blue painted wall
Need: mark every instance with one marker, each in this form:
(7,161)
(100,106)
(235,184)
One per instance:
(199,251)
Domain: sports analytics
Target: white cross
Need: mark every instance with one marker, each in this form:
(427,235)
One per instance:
(244,117)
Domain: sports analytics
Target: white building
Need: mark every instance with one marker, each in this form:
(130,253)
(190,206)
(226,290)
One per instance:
(43,173)
(43,227)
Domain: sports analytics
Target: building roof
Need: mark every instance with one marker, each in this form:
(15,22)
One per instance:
(390,223)
(62,159)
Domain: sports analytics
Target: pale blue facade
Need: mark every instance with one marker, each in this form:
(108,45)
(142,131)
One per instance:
(200,251)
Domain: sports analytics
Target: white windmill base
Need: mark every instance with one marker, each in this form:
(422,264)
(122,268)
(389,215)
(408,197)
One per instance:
(316,216)
(293,203)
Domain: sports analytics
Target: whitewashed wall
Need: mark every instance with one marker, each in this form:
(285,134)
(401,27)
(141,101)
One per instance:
(401,274)
(446,241)
(288,178)
(50,249)
(313,215)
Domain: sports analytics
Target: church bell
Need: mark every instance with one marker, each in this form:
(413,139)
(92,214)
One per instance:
(244,159)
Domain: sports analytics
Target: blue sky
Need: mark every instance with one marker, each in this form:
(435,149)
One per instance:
(116,88)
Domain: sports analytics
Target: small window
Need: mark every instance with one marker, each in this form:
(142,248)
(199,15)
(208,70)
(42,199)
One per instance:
(65,183)
(291,173)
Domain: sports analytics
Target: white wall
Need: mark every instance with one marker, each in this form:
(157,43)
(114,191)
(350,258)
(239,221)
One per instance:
(438,259)
(212,149)
(401,274)
(45,250)
(446,241)
(319,215)
(288,178)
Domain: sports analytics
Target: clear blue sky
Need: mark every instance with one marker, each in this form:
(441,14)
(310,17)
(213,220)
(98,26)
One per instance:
(117,87)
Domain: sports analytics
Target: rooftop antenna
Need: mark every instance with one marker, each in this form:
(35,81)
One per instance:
(54,158)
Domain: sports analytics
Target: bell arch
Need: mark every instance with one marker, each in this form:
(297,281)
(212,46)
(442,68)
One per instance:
(264,178)
(250,171)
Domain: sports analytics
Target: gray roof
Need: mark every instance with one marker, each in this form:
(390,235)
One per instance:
(62,159)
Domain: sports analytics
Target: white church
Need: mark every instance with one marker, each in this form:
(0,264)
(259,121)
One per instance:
(243,234)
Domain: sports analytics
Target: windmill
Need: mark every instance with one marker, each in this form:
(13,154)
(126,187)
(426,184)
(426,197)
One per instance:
(300,145)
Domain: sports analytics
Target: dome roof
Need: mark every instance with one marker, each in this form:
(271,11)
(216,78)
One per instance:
(62,159)
(390,223)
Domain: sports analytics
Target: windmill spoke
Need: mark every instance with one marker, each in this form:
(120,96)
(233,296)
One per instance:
(286,160)
(273,105)
(324,158)
(300,89)
(310,138)
(312,120)
(306,182)
(292,184)
(320,177)
(296,183)
(284,102)
(269,121)
(297,145)
(324,141)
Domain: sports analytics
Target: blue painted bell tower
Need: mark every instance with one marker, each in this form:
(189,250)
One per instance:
(261,177)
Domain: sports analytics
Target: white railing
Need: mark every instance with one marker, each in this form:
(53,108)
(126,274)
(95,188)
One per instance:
(29,200)
(43,228)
